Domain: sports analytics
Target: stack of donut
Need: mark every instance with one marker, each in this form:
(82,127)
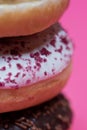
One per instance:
(35,64)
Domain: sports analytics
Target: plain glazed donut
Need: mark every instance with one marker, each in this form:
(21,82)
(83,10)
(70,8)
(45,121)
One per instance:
(24,17)
(34,68)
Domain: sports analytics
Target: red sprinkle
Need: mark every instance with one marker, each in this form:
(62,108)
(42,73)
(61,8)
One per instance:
(35,67)
(45,73)
(15,58)
(13,81)
(9,59)
(45,60)
(64,40)
(19,66)
(7,79)
(23,75)
(36,56)
(2,84)
(45,52)
(17,74)
(59,50)
(3,68)
(53,42)
(38,65)
(28,81)
(9,74)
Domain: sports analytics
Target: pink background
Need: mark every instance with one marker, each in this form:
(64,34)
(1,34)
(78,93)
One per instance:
(75,21)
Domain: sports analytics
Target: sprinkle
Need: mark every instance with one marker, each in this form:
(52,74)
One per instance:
(53,42)
(64,40)
(19,66)
(45,52)
(3,68)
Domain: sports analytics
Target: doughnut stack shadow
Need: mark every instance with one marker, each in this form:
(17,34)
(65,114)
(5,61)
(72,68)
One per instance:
(35,64)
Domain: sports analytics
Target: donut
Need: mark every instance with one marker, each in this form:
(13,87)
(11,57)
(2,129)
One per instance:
(53,115)
(33,69)
(25,17)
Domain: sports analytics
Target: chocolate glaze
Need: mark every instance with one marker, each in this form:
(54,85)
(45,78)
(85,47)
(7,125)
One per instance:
(53,115)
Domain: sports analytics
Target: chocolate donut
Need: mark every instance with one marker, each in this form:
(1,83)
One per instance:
(53,115)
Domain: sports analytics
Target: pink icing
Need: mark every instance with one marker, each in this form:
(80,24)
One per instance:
(28,60)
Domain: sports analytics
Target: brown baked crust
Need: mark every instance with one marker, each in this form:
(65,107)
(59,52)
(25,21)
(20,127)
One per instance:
(29,17)
(16,99)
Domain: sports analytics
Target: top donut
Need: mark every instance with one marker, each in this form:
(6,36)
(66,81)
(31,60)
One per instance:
(25,17)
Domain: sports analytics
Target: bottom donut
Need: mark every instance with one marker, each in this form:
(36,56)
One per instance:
(55,114)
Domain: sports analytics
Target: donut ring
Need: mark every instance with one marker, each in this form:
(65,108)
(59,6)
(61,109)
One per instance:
(34,68)
(55,114)
(24,17)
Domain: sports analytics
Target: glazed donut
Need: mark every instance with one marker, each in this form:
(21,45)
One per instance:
(53,115)
(24,17)
(34,68)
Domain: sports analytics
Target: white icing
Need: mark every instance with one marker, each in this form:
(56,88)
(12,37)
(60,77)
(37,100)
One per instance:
(20,68)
